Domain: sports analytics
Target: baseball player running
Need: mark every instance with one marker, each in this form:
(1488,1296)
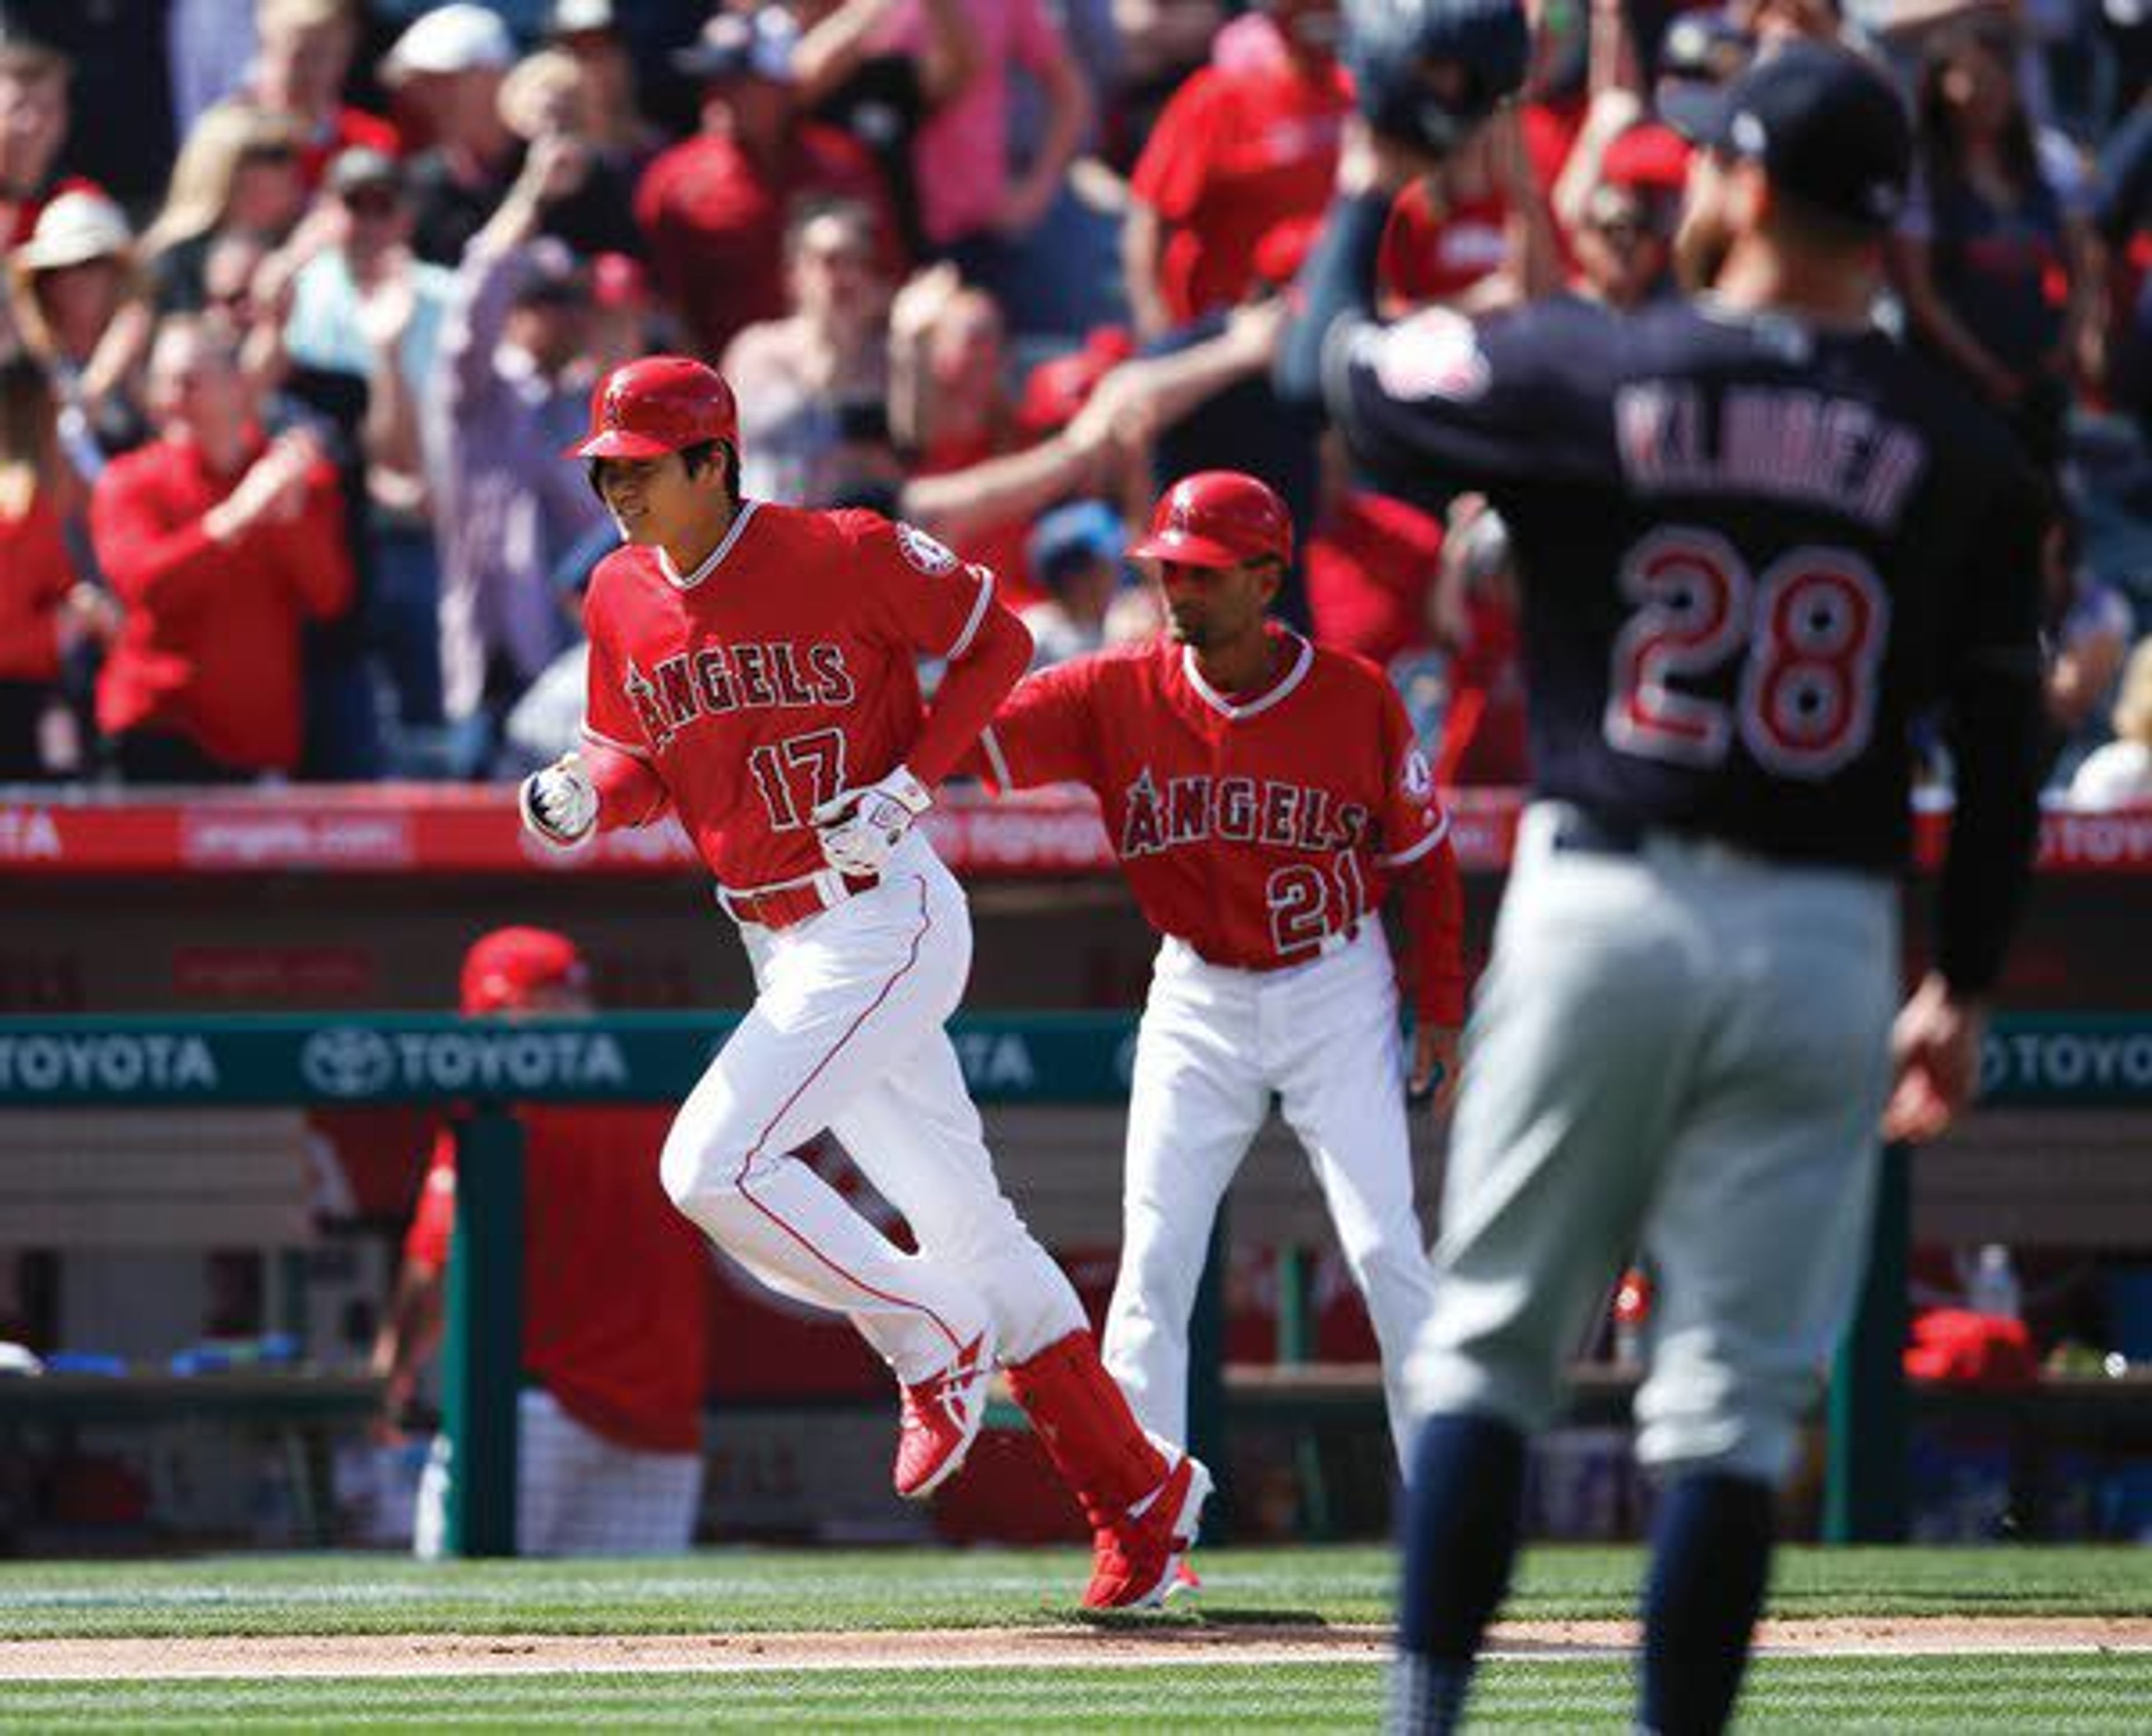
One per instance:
(1261,795)
(753,671)
(1756,540)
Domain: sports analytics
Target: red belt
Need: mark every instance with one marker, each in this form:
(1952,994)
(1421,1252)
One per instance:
(789,901)
(1264,966)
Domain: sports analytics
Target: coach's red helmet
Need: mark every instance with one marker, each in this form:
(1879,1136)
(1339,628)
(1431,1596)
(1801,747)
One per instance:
(1217,518)
(506,969)
(657,405)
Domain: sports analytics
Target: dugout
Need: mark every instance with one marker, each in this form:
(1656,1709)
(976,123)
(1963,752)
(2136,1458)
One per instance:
(366,899)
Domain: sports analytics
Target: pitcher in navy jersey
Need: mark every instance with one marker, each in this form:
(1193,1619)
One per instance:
(1757,540)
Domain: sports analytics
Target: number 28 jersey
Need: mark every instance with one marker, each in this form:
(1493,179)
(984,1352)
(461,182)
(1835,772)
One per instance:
(1753,550)
(779,671)
(1254,829)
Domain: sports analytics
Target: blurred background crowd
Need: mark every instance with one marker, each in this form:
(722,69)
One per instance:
(303,298)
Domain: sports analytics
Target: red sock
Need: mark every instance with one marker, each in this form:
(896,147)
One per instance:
(1082,1419)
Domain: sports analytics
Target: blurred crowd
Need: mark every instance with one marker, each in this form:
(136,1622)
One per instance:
(304,297)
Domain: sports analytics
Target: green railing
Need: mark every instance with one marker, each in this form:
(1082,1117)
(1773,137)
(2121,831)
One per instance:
(486,1067)
(483,1068)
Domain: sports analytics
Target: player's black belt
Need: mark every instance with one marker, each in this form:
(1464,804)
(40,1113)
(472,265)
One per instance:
(1582,831)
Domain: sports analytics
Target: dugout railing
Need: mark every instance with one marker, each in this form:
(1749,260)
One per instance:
(2034,1062)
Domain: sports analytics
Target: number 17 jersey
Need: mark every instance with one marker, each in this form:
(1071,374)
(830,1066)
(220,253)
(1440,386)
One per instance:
(1254,828)
(779,673)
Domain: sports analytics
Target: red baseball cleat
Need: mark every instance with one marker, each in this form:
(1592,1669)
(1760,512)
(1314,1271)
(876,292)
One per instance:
(941,1420)
(1186,1581)
(1135,1562)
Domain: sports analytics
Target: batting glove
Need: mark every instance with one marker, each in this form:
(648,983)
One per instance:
(861,829)
(560,804)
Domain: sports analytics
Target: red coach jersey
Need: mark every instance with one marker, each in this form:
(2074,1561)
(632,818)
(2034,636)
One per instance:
(1252,828)
(776,674)
(616,1282)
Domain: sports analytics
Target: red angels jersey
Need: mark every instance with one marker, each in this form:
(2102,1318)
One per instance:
(616,1282)
(779,673)
(1254,829)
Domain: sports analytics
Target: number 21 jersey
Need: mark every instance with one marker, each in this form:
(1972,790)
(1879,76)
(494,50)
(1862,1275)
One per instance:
(1253,827)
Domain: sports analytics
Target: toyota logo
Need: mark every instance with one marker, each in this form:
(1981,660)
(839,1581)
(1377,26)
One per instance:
(346,1061)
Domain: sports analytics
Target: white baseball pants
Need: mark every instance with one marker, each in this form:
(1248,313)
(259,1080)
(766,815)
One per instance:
(1213,1047)
(576,1493)
(847,1034)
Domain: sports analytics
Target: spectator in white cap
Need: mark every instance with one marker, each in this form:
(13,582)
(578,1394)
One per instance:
(74,292)
(303,56)
(462,37)
(447,71)
(2120,774)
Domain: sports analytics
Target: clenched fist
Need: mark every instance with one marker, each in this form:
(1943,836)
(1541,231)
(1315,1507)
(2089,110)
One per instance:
(859,829)
(560,804)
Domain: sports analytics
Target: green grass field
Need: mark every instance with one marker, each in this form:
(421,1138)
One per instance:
(735,1592)
(2027,1696)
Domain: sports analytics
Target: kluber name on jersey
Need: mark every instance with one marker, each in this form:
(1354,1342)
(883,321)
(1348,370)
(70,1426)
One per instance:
(1811,536)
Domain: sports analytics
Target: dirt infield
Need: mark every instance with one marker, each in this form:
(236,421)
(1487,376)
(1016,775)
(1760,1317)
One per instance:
(399,1655)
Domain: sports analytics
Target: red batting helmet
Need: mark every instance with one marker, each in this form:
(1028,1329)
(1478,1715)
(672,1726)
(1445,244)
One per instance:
(1217,518)
(657,405)
(504,969)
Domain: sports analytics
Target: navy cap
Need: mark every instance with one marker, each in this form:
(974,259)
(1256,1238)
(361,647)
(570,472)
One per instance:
(1827,127)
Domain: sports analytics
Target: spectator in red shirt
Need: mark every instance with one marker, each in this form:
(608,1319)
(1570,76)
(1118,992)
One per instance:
(220,544)
(715,208)
(981,470)
(615,1305)
(44,611)
(1371,565)
(301,60)
(1237,153)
